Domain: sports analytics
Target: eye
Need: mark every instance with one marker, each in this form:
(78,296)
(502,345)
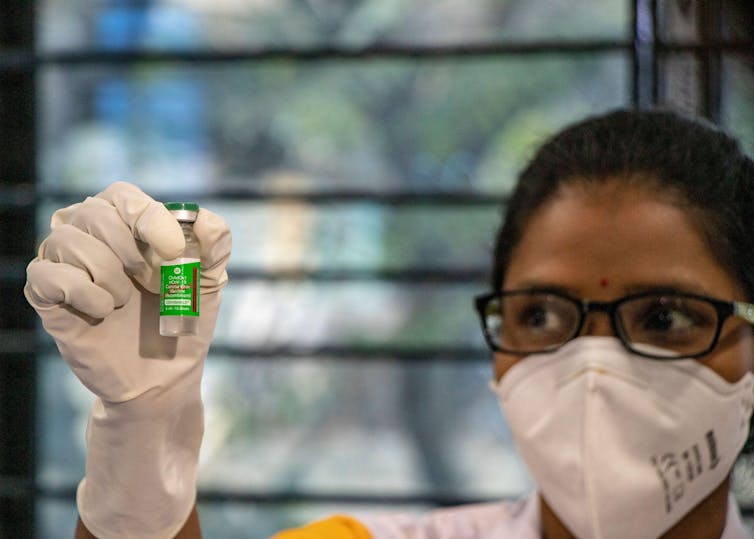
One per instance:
(678,324)
(533,316)
(674,316)
(537,320)
(666,318)
(540,317)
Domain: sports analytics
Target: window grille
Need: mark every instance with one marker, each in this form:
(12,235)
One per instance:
(698,59)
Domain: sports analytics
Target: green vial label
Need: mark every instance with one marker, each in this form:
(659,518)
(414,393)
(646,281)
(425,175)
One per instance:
(179,288)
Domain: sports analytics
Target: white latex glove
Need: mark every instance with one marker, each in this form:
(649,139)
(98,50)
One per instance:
(95,285)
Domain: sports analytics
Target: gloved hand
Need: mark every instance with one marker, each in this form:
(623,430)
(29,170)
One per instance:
(95,285)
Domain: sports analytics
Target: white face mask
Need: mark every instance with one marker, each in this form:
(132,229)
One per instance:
(623,446)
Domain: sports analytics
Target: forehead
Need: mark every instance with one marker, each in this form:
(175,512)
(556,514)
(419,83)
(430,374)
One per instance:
(627,232)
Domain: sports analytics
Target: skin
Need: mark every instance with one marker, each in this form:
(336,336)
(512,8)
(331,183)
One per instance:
(191,529)
(603,241)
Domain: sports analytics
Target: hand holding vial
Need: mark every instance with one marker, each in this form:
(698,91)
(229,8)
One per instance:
(95,284)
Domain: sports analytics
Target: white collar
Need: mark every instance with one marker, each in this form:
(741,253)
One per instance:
(530,517)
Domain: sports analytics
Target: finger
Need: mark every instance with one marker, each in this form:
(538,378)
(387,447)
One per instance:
(53,283)
(214,237)
(148,220)
(100,219)
(67,244)
(215,245)
(61,216)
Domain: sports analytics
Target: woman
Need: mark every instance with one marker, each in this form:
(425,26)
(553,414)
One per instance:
(621,330)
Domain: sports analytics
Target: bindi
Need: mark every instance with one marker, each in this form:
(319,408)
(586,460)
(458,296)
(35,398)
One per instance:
(604,282)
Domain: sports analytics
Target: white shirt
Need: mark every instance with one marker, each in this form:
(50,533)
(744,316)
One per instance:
(503,520)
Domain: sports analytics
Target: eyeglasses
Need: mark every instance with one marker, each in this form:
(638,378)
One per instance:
(660,325)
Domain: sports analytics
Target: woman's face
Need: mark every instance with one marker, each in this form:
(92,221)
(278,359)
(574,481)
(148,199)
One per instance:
(600,242)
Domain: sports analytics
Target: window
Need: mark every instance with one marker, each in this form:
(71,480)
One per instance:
(362,152)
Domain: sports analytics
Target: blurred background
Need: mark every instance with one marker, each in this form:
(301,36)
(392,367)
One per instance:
(362,152)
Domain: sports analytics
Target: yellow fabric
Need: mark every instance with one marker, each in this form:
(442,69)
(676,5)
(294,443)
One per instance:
(339,527)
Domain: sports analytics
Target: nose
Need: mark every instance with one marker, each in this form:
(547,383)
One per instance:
(597,324)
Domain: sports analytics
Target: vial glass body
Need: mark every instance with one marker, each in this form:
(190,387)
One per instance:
(179,289)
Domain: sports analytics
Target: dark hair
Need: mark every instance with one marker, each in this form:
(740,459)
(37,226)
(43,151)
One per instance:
(690,160)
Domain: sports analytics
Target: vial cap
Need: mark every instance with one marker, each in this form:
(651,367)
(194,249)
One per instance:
(183,211)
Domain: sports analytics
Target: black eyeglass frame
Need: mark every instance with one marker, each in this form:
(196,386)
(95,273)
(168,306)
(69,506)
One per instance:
(724,310)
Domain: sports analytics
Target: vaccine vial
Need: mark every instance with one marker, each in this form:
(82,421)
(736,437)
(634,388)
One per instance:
(179,278)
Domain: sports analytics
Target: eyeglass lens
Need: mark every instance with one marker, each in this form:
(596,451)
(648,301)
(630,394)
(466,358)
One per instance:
(664,324)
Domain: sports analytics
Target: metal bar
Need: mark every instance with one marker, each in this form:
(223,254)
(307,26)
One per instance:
(19,198)
(17,236)
(655,14)
(643,53)
(356,353)
(745,48)
(377,352)
(398,275)
(635,66)
(679,68)
(13,270)
(710,61)
(212,496)
(15,60)
(432,499)
(344,498)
